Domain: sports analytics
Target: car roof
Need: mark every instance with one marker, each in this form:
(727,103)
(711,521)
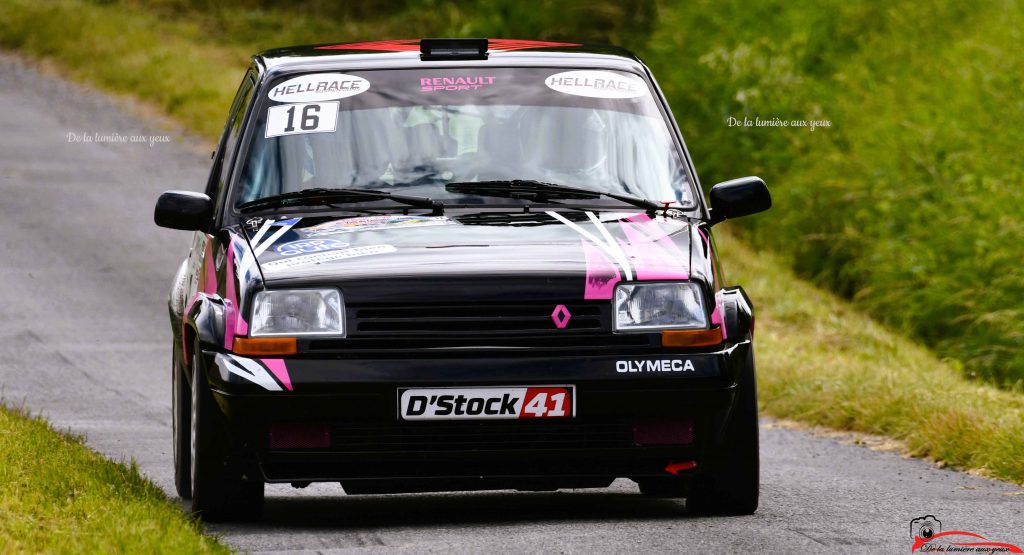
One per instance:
(405,53)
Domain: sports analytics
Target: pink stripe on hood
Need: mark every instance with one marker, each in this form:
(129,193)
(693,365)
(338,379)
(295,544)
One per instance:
(653,254)
(602,274)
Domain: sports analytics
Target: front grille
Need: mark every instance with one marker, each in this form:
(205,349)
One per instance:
(474,345)
(477,319)
(481,436)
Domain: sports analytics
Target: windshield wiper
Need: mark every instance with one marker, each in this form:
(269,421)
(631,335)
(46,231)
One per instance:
(539,191)
(321,196)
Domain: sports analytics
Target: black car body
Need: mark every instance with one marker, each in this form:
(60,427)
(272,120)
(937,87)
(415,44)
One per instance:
(509,332)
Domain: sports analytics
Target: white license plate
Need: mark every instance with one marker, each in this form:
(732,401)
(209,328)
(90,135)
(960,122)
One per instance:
(487,403)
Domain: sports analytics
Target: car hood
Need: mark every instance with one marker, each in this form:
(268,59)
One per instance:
(601,247)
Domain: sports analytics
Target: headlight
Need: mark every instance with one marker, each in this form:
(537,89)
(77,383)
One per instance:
(298,312)
(659,306)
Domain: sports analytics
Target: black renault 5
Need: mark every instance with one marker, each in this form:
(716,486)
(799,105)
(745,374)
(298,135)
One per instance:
(458,264)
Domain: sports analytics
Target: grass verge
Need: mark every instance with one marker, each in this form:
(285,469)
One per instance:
(820,360)
(57,495)
(823,362)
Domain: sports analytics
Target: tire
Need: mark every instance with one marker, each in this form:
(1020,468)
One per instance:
(219,492)
(731,483)
(181,408)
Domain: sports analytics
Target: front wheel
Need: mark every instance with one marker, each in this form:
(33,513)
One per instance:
(731,484)
(219,491)
(181,409)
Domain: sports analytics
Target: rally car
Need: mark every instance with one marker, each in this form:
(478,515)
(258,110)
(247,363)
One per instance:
(458,264)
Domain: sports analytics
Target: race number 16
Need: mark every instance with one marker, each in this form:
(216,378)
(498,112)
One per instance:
(293,119)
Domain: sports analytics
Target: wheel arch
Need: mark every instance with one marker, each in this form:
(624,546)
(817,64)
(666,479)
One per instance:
(739,313)
(202,325)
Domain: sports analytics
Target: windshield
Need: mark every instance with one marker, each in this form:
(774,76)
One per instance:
(414,131)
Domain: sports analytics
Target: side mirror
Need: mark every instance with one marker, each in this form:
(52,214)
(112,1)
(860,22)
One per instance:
(739,197)
(183,210)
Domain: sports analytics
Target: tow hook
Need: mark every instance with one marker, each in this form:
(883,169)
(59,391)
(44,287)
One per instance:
(677,467)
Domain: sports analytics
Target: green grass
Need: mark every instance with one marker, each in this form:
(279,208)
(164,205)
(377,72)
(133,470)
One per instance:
(57,496)
(861,206)
(823,362)
(910,203)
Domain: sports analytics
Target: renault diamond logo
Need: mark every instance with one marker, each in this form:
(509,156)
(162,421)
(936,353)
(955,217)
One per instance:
(560,316)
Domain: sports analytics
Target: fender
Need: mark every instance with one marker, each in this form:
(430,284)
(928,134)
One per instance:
(739,313)
(204,318)
(179,291)
(176,304)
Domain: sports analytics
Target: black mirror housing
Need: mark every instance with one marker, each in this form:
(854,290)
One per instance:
(739,197)
(183,210)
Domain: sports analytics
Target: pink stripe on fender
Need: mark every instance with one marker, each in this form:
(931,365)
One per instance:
(711,256)
(210,281)
(716,317)
(234,324)
(230,298)
(602,274)
(279,370)
(230,319)
(718,314)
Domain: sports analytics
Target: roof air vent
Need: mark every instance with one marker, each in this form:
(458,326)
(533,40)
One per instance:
(453,49)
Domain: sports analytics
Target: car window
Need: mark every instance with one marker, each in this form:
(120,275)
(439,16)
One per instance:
(229,140)
(417,130)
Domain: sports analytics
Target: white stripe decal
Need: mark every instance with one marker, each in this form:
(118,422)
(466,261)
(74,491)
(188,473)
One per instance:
(246,261)
(252,371)
(259,248)
(611,248)
(263,230)
(621,257)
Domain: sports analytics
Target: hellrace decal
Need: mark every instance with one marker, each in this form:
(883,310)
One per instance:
(597,84)
(318,87)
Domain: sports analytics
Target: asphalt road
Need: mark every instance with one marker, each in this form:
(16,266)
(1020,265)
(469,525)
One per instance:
(84,340)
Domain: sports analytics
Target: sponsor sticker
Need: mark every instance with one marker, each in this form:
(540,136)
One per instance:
(296,119)
(309,246)
(597,84)
(655,365)
(455,83)
(487,403)
(318,87)
(330,256)
(368,223)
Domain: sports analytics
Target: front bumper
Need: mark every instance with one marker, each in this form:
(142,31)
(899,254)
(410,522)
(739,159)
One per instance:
(355,403)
